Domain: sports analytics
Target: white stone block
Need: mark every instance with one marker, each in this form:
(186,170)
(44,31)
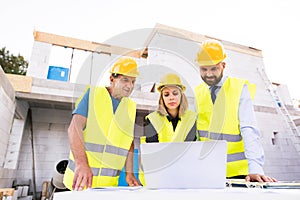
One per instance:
(25,191)
(25,198)
(38,65)
(11,160)
(6,118)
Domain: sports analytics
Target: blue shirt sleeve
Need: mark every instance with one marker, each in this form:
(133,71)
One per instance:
(83,106)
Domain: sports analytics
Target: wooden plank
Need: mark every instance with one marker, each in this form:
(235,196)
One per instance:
(84,44)
(7,191)
(20,83)
(187,35)
(180,33)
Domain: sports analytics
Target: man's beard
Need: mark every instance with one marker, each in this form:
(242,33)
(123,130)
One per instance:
(212,82)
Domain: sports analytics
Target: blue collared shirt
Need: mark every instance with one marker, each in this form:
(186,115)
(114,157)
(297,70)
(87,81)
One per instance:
(83,106)
(249,131)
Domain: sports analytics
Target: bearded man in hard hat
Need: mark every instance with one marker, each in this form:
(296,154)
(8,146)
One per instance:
(226,112)
(101,132)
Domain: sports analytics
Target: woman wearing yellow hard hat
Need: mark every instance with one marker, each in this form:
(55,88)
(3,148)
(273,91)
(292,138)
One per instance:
(172,121)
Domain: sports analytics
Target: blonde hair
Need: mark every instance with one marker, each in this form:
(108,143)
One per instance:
(183,106)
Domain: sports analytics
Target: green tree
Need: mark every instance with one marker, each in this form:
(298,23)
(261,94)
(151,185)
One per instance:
(12,64)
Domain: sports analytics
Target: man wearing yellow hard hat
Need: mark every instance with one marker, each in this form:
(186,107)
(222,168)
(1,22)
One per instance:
(226,112)
(101,132)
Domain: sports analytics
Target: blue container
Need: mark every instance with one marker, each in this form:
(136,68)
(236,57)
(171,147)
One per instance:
(58,73)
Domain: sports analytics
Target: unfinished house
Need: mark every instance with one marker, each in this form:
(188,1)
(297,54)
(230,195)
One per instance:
(37,108)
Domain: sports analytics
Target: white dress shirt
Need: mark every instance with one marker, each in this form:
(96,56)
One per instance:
(248,127)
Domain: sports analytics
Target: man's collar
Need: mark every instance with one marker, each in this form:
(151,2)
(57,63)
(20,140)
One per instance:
(220,83)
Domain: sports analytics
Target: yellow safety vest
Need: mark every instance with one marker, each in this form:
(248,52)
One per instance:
(220,121)
(165,131)
(164,127)
(107,138)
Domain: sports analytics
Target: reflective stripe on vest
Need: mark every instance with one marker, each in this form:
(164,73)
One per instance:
(95,171)
(108,149)
(164,127)
(107,136)
(220,136)
(235,157)
(220,121)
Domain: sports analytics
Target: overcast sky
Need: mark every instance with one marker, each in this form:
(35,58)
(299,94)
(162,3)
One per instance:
(269,25)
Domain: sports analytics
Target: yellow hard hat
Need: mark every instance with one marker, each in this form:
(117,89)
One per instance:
(125,66)
(211,53)
(170,80)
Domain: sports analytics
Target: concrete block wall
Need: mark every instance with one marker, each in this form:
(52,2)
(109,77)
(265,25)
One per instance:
(281,156)
(284,94)
(6,177)
(282,160)
(7,108)
(14,146)
(50,141)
